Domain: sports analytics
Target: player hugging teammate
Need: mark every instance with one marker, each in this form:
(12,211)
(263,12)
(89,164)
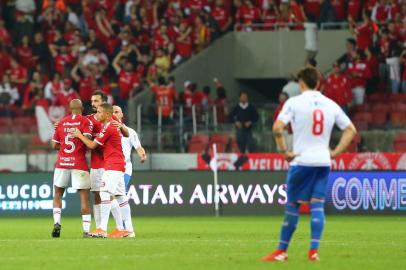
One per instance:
(108,138)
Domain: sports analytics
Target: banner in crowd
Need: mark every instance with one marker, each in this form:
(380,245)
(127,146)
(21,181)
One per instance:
(275,162)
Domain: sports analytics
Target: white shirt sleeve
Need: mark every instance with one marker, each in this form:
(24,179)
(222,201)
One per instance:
(135,141)
(286,115)
(342,120)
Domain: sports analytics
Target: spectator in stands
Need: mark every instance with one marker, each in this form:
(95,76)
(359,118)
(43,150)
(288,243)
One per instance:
(312,7)
(24,18)
(247,15)
(62,58)
(270,14)
(183,44)
(221,102)
(18,75)
(165,98)
(52,88)
(393,62)
(354,10)
(358,73)
(5,37)
(288,132)
(33,94)
(40,51)
(339,10)
(338,88)
(128,80)
(24,53)
(373,63)
(327,13)
(292,88)
(310,39)
(363,32)
(8,92)
(206,100)
(201,34)
(381,12)
(222,16)
(403,63)
(244,116)
(67,94)
(162,63)
(5,60)
(346,58)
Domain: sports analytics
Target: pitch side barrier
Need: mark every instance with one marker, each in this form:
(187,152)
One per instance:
(176,193)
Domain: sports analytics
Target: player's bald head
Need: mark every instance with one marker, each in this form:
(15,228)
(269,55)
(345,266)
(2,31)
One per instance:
(75,105)
(118,112)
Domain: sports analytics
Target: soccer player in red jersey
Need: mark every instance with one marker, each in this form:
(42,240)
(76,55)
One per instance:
(114,163)
(71,164)
(96,158)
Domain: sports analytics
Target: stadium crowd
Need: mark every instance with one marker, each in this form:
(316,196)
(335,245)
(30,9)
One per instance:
(53,51)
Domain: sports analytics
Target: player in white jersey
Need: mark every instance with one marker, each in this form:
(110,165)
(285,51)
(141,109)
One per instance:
(120,209)
(312,117)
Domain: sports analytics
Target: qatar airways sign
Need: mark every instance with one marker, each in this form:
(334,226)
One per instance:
(377,192)
(149,194)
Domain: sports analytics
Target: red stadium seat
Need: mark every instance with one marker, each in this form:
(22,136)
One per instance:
(220,137)
(380,107)
(397,97)
(398,119)
(362,116)
(379,118)
(196,147)
(361,108)
(203,138)
(21,129)
(5,129)
(353,147)
(361,125)
(399,143)
(381,97)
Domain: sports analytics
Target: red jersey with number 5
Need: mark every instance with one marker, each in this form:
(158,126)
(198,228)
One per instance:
(72,152)
(110,139)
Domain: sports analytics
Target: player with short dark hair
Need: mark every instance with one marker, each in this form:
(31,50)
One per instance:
(71,165)
(312,117)
(96,159)
(114,164)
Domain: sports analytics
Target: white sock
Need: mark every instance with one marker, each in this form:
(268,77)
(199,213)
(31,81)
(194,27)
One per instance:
(126,213)
(115,210)
(57,215)
(96,215)
(105,208)
(86,221)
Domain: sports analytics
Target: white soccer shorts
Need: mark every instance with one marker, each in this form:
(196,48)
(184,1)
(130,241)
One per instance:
(113,183)
(80,179)
(96,179)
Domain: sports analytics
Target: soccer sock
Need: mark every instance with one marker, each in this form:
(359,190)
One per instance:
(105,208)
(289,225)
(115,210)
(317,223)
(57,215)
(96,214)
(126,213)
(86,221)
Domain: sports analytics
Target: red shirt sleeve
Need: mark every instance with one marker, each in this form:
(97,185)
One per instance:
(87,127)
(56,138)
(154,88)
(103,135)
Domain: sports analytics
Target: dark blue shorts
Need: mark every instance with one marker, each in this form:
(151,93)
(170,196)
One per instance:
(305,183)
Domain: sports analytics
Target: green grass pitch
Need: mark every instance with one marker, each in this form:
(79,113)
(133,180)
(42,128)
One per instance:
(204,243)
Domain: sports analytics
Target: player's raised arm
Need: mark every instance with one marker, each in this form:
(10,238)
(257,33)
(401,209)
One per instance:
(349,133)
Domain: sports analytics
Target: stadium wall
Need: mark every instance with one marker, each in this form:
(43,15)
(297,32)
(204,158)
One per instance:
(257,55)
(174,193)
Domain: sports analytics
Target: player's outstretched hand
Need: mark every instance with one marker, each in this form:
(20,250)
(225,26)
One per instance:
(117,124)
(289,156)
(143,158)
(76,133)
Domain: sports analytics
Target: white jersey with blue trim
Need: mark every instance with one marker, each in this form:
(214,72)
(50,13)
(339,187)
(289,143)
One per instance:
(128,143)
(312,116)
